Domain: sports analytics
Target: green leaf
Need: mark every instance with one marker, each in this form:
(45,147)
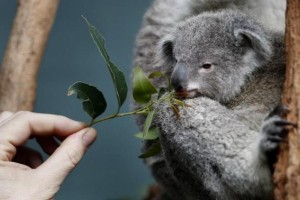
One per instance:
(116,74)
(148,122)
(142,86)
(155,75)
(153,134)
(152,151)
(93,101)
(120,84)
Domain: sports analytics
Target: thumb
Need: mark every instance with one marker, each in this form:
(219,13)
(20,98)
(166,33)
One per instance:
(67,156)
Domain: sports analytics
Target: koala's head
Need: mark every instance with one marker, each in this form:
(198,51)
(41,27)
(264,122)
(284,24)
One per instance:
(213,54)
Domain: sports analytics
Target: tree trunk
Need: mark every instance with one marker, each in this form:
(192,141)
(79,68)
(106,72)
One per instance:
(287,170)
(24,53)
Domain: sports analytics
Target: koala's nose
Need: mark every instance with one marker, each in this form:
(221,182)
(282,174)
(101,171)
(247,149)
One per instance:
(179,77)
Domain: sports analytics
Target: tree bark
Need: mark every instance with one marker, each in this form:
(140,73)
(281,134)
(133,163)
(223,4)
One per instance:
(24,52)
(287,169)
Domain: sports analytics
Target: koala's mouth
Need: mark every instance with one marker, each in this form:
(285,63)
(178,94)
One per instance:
(185,94)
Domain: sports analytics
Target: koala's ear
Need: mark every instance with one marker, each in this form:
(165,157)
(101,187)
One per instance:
(167,48)
(259,43)
(164,53)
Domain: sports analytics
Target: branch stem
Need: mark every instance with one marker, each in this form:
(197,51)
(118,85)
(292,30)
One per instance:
(139,111)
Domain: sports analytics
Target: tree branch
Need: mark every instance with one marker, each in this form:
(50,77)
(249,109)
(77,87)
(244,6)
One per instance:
(287,170)
(24,53)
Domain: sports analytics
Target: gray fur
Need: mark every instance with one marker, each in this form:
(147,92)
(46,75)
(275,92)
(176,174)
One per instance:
(214,150)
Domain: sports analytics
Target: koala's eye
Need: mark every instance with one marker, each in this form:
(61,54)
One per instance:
(206,65)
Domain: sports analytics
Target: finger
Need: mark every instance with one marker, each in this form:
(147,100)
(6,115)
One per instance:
(28,156)
(67,156)
(48,144)
(19,127)
(5,115)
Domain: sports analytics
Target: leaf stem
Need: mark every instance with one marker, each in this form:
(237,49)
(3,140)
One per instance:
(91,123)
(144,110)
(117,115)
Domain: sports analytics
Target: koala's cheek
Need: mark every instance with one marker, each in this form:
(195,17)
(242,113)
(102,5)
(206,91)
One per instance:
(193,89)
(193,85)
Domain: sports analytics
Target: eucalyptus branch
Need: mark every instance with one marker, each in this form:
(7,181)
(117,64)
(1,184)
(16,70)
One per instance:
(136,112)
(144,93)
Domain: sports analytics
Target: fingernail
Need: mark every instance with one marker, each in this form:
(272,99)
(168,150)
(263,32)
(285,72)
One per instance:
(89,137)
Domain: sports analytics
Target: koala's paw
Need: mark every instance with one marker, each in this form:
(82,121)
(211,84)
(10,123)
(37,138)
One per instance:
(274,129)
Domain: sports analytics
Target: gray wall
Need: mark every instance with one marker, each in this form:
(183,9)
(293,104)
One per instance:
(111,169)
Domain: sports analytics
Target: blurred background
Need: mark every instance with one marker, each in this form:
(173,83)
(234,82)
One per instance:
(111,169)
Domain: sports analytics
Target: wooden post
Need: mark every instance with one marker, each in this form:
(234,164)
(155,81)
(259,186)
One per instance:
(24,53)
(287,170)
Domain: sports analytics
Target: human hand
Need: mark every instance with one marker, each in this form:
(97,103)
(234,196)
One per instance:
(23,174)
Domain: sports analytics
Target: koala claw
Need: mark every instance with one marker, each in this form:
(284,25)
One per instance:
(274,128)
(284,123)
(280,110)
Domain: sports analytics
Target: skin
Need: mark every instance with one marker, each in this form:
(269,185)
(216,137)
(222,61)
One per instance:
(22,170)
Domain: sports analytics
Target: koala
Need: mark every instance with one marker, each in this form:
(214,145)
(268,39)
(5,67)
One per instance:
(223,146)
(225,142)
